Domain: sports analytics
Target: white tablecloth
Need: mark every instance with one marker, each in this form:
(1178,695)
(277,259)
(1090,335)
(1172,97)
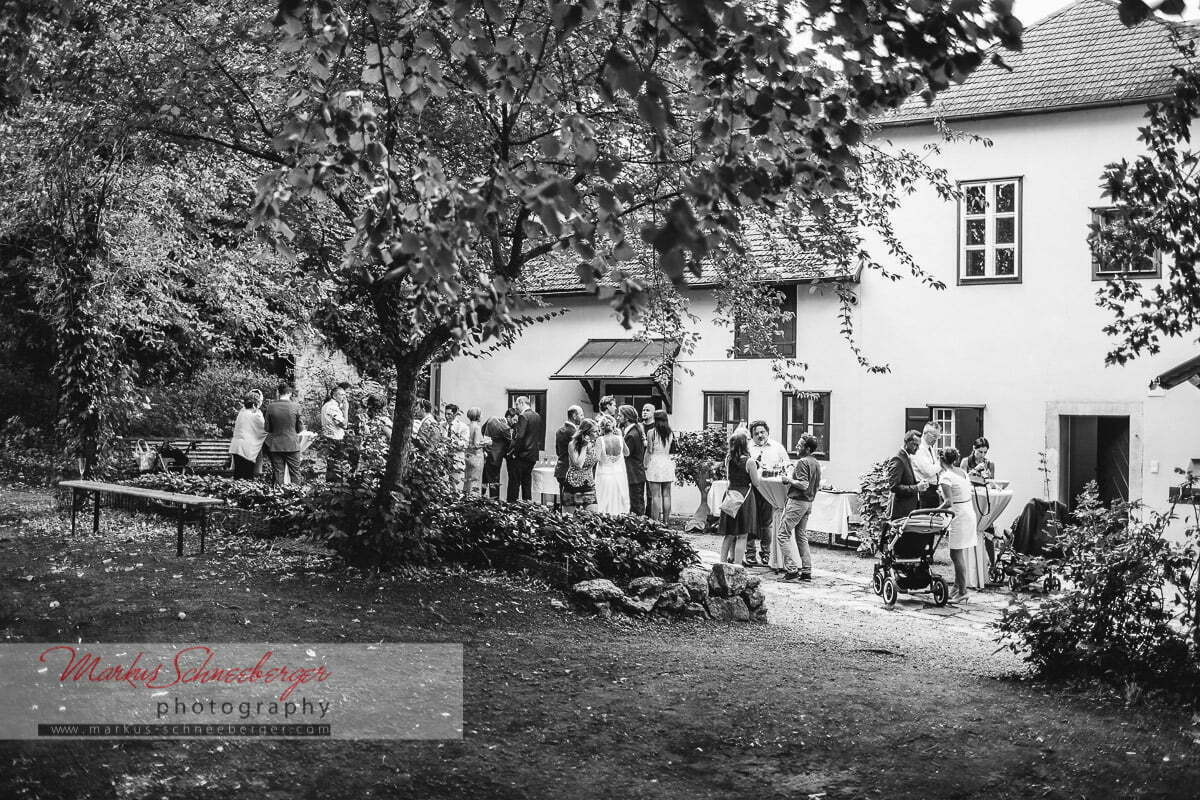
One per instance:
(989,503)
(543,482)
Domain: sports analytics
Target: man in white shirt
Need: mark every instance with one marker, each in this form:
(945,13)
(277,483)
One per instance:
(333,435)
(772,457)
(927,465)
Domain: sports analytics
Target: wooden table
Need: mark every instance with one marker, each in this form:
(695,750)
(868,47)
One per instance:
(184,501)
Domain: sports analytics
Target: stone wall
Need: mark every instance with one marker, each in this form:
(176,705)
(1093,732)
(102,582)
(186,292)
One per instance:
(727,592)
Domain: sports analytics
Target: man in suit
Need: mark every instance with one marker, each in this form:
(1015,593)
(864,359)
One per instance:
(635,462)
(906,489)
(281,418)
(499,430)
(562,440)
(528,436)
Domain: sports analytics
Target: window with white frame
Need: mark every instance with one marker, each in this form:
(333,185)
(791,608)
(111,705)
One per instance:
(990,231)
(806,412)
(945,418)
(1116,223)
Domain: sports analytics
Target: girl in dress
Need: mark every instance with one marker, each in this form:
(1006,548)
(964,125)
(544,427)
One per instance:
(660,467)
(956,488)
(612,484)
(743,472)
(579,485)
(476,444)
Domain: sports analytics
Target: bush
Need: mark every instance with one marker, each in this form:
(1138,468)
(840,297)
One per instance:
(700,457)
(30,455)
(1128,614)
(29,395)
(588,545)
(285,503)
(203,407)
(875,500)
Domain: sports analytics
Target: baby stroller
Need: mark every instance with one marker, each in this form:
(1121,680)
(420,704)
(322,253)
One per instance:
(1030,551)
(906,555)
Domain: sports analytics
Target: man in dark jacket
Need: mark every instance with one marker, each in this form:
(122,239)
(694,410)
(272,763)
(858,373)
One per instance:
(906,489)
(526,444)
(281,418)
(635,462)
(499,430)
(562,440)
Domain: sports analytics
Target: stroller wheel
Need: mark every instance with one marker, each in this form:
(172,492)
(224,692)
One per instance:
(877,581)
(890,591)
(940,593)
(1051,584)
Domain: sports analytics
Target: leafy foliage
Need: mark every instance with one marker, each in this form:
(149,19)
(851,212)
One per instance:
(700,456)
(875,499)
(1129,610)
(204,406)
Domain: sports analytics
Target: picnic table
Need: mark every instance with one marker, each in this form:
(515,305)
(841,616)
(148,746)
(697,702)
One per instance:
(183,501)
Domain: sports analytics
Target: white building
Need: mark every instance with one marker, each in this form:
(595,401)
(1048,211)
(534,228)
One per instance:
(1012,348)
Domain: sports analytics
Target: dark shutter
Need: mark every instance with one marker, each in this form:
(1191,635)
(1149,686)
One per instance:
(968,426)
(915,419)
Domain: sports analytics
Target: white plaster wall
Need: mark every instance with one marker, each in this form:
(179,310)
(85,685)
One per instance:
(1026,351)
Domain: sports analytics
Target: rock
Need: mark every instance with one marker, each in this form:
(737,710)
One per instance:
(603,610)
(597,591)
(721,608)
(759,614)
(673,598)
(753,581)
(754,598)
(636,607)
(646,587)
(727,580)
(696,581)
(741,613)
(694,611)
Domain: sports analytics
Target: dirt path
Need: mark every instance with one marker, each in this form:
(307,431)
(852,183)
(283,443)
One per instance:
(842,701)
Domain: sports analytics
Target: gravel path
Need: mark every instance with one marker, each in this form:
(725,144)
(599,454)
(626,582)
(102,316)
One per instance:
(838,612)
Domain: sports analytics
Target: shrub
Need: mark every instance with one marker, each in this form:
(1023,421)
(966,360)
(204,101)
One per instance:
(204,406)
(29,454)
(1128,613)
(700,457)
(875,501)
(282,503)
(588,545)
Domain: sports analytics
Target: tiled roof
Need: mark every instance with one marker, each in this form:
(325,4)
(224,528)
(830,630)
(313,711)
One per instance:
(780,259)
(1080,56)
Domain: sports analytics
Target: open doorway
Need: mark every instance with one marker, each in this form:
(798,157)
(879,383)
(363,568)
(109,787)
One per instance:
(1094,448)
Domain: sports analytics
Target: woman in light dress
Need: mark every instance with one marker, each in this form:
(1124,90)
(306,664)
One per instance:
(579,485)
(612,483)
(476,444)
(660,467)
(249,433)
(956,488)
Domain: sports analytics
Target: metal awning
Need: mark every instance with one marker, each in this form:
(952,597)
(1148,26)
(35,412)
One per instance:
(621,360)
(1188,371)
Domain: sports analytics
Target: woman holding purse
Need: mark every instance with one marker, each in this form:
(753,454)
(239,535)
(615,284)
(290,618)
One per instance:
(738,515)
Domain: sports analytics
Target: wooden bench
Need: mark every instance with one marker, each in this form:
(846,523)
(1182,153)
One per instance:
(203,454)
(184,501)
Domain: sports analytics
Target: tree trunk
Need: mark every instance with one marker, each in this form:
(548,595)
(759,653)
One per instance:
(399,449)
(699,520)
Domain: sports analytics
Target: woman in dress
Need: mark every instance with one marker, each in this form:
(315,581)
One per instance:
(978,466)
(579,485)
(956,488)
(476,443)
(742,471)
(660,467)
(249,433)
(612,484)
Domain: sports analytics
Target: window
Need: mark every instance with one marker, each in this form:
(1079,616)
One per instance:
(726,410)
(785,336)
(1116,221)
(961,425)
(989,224)
(806,412)
(537,401)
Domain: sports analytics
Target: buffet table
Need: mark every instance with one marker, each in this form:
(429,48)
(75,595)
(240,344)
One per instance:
(989,503)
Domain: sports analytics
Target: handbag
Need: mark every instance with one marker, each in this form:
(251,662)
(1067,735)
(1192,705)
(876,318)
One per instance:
(143,456)
(732,502)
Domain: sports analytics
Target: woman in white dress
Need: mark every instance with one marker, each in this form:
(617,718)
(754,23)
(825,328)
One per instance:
(249,433)
(612,483)
(956,488)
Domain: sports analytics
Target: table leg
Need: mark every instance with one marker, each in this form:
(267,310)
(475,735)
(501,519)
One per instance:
(74,508)
(203,527)
(179,533)
(96,513)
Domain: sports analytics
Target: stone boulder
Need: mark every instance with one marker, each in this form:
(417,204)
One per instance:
(646,587)
(635,606)
(754,598)
(694,611)
(753,581)
(599,590)
(727,580)
(759,614)
(741,613)
(696,581)
(602,609)
(673,598)
(721,608)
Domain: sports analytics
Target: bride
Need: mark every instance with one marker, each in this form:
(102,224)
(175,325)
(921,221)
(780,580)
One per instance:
(612,486)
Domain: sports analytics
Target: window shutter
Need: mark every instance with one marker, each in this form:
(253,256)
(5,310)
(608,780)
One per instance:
(915,419)
(968,426)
